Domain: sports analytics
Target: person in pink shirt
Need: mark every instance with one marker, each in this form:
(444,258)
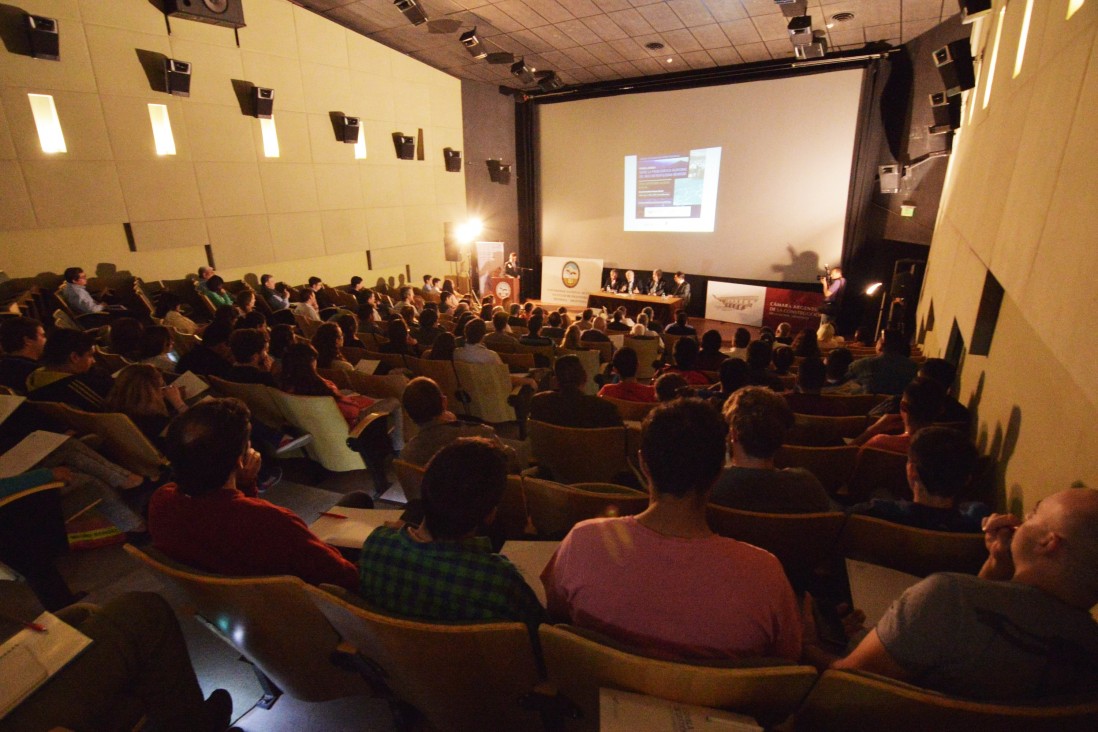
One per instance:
(625,364)
(662,581)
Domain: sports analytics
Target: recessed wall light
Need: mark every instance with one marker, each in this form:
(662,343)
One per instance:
(50,136)
(162,129)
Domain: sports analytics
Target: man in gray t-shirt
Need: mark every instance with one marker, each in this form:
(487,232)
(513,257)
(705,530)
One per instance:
(1021,631)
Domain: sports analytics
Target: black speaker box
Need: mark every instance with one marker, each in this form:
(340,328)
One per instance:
(264,100)
(889,177)
(452,159)
(44,37)
(449,242)
(229,13)
(973,9)
(352,128)
(405,146)
(947,112)
(498,172)
(177,77)
(954,63)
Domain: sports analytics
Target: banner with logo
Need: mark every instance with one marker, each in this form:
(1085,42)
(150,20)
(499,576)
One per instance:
(756,306)
(489,261)
(569,280)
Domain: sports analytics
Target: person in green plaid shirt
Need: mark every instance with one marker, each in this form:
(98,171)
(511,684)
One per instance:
(441,570)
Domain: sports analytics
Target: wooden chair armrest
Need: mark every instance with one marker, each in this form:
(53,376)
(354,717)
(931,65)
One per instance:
(365,422)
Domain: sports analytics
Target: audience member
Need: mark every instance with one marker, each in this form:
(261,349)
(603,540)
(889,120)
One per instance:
(805,344)
(710,357)
(244,301)
(681,328)
(442,349)
(627,388)
(586,321)
(211,357)
(1021,631)
(282,336)
(428,329)
(205,521)
(553,329)
(671,385)
(940,463)
(686,356)
(596,333)
(22,341)
(501,332)
(157,349)
(943,372)
(920,406)
(328,342)
(569,406)
(124,337)
(662,581)
(215,292)
(474,350)
(758,366)
(251,360)
(740,341)
(733,376)
(139,393)
(204,275)
(66,374)
(76,296)
(838,380)
(758,420)
(298,376)
(169,308)
(275,298)
(782,359)
(826,338)
(784,334)
(400,340)
(535,333)
(617,322)
(306,305)
(890,370)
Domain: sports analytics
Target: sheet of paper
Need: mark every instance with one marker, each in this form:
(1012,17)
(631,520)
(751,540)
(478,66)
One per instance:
(30,450)
(874,588)
(28,658)
(191,384)
(622,711)
(351,531)
(530,557)
(367,366)
(8,404)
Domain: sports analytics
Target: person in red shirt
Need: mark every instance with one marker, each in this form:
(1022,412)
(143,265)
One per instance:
(204,520)
(625,364)
(923,400)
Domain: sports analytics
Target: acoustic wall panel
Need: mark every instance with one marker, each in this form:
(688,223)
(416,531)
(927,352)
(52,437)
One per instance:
(155,236)
(288,188)
(160,189)
(386,228)
(230,189)
(338,186)
(74,192)
(16,212)
(219,134)
(270,30)
(115,61)
(297,236)
(279,73)
(345,231)
(240,241)
(319,40)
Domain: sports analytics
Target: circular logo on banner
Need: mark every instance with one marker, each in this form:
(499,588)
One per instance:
(503,290)
(570,274)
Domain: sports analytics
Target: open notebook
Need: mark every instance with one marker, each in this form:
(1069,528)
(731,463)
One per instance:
(30,657)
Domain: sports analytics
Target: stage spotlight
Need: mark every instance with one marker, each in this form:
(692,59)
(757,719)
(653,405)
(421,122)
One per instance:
(412,10)
(523,72)
(548,80)
(473,45)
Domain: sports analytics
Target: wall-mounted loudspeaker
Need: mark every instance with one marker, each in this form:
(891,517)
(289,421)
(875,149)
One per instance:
(452,158)
(973,9)
(45,39)
(405,146)
(800,30)
(498,172)
(229,13)
(450,243)
(177,77)
(889,176)
(946,111)
(264,100)
(954,64)
(352,128)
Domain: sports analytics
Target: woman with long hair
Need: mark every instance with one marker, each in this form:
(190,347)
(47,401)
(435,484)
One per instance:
(328,342)
(399,340)
(348,323)
(156,348)
(216,292)
(571,340)
(442,349)
(139,393)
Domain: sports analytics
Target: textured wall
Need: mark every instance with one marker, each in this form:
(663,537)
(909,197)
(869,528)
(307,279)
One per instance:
(313,210)
(1019,201)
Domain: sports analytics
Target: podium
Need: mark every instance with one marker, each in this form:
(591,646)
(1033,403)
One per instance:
(505,289)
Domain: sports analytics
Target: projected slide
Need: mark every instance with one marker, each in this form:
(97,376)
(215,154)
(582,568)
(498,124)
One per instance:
(672,192)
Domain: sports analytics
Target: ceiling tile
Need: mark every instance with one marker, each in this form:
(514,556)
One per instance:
(723,10)
(660,17)
(553,11)
(752,52)
(710,36)
(630,49)
(605,27)
(741,31)
(605,53)
(522,12)
(691,12)
(581,8)
(698,60)
(727,56)
(632,22)
(578,32)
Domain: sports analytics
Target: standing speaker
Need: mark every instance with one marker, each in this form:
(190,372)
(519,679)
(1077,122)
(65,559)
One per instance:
(946,111)
(954,64)
(177,77)
(229,13)
(352,127)
(450,243)
(264,102)
(405,146)
(44,37)
(452,159)
(890,178)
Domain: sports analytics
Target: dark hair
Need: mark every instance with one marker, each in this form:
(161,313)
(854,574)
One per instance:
(14,331)
(215,283)
(670,386)
(205,443)
(448,286)
(625,362)
(499,321)
(923,400)
(166,302)
(569,371)
(733,374)
(805,344)
(783,358)
(943,459)
(838,361)
(313,281)
(741,338)
(282,336)
(216,333)
(686,353)
(533,325)
(251,319)
(245,343)
(442,349)
(154,341)
(64,343)
(304,295)
(298,374)
(758,355)
(940,370)
(422,400)
(72,274)
(759,419)
(397,331)
(428,317)
(682,444)
(325,341)
(243,297)
(355,280)
(554,319)
(474,331)
(125,336)
(811,375)
(263,280)
(711,341)
(681,317)
(464,482)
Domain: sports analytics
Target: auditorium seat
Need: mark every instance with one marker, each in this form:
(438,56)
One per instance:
(631,411)
(123,442)
(877,474)
(920,552)
(823,431)
(578,455)
(554,508)
(831,465)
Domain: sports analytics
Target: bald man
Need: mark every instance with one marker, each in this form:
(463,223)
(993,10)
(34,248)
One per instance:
(1021,631)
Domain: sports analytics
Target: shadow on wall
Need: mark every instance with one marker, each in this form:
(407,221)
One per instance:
(802,267)
(1000,449)
(12,30)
